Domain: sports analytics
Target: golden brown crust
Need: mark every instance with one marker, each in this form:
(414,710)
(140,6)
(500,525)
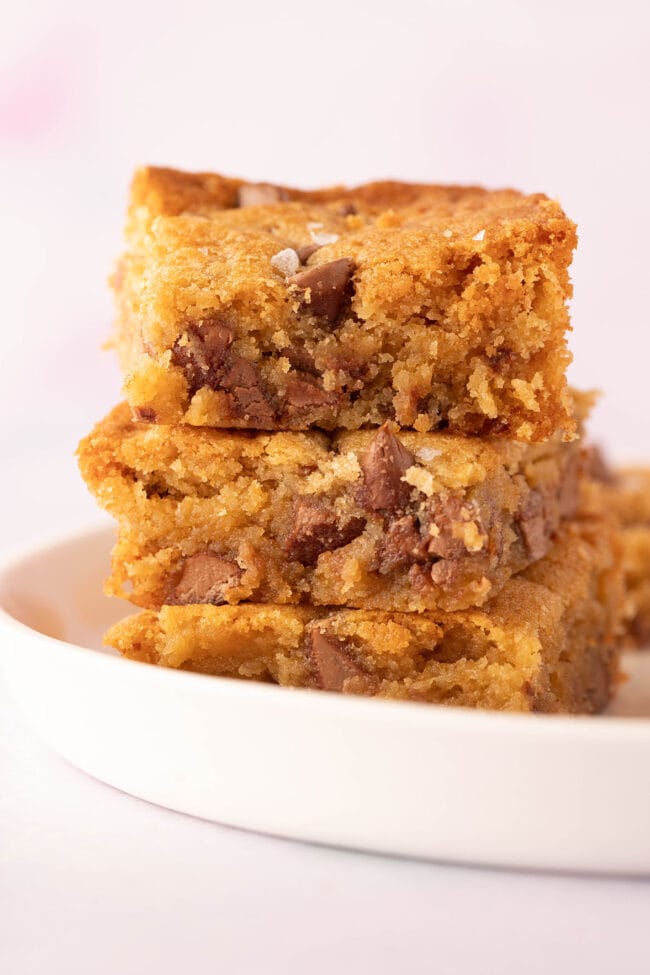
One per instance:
(453,313)
(544,644)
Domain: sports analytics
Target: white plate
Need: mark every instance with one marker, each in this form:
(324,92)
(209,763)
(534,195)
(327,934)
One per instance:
(442,783)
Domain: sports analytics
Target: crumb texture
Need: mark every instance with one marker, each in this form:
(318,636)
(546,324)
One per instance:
(628,493)
(546,643)
(379,519)
(264,307)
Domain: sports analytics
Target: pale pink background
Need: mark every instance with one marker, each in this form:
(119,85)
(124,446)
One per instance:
(546,96)
(542,95)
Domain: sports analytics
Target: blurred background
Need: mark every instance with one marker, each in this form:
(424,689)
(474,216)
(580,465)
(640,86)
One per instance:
(546,96)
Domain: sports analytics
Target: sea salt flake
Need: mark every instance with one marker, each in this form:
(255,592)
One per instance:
(447,233)
(479,236)
(427,454)
(323,239)
(286,261)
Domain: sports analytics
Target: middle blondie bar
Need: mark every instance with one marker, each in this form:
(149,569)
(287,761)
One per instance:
(374,519)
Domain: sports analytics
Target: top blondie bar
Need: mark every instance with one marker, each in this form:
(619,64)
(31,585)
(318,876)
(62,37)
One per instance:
(257,306)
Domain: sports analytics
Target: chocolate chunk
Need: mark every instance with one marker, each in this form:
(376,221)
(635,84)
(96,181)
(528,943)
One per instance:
(532,524)
(202,352)
(324,288)
(260,194)
(343,361)
(347,209)
(383,465)
(204,578)
(248,399)
(302,394)
(305,252)
(145,414)
(408,541)
(300,359)
(316,529)
(332,663)
(402,545)
(444,572)
(442,513)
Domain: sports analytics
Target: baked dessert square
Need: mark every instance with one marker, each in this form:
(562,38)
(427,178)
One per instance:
(629,495)
(545,643)
(375,519)
(246,305)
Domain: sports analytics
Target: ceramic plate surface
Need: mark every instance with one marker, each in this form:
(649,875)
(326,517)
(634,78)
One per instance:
(569,793)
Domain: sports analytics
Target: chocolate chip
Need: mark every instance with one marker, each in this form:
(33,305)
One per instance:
(202,351)
(332,663)
(300,359)
(347,209)
(144,414)
(441,514)
(305,252)
(444,572)
(343,361)
(383,466)
(324,288)
(260,194)
(402,545)
(248,400)
(316,529)
(302,394)
(204,578)
(532,524)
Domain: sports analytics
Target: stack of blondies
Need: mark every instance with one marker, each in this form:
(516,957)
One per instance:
(348,458)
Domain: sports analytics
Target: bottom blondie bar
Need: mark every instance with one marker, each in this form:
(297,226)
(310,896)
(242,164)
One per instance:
(629,494)
(545,643)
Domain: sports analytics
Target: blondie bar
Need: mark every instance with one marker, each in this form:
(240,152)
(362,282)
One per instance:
(629,495)
(374,519)
(257,306)
(546,643)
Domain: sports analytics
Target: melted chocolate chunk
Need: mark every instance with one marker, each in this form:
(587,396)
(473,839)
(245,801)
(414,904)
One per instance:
(323,289)
(247,397)
(300,359)
(443,513)
(316,529)
(383,466)
(301,394)
(145,414)
(305,252)
(332,663)
(201,353)
(533,525)
(402,545)
(204,578)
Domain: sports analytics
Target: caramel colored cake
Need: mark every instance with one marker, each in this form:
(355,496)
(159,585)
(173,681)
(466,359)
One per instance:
(374,519)
(629,496)
(254,306)
(348,459)
(545,643)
